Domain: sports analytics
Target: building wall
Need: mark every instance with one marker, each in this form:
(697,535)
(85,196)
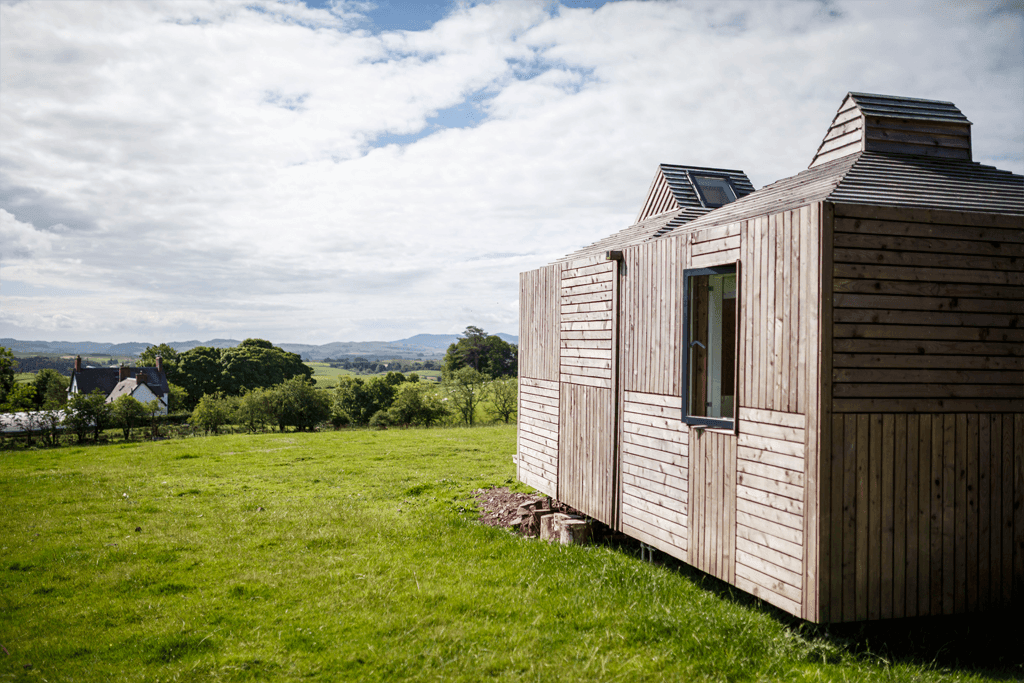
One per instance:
(922,489)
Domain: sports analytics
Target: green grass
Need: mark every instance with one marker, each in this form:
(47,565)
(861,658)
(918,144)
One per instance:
(356,556)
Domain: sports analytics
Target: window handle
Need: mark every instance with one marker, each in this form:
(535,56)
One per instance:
(698,344)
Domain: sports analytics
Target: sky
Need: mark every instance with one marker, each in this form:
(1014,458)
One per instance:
(354,171)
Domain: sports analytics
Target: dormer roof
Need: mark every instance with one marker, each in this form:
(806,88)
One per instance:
(900,125)
(678,195)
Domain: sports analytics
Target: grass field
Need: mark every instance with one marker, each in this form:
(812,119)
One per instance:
(326,376)
(356,556)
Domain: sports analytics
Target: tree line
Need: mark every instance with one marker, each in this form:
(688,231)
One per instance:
(257,386)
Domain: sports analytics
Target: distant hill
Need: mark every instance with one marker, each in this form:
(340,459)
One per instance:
(420,346)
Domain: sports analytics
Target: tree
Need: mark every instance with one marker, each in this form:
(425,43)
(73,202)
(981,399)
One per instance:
(19,398)
(360,399)
(7,364)
(178,398)
(489,354)
(212,412)
(127,412)
(199,372)
(416,404)
(85,411)
(168,360)
(504,395)
(258,363)
(51,388)
(465,389)
(255,409)
(297,403)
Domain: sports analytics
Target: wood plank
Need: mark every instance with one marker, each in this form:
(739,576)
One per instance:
(896,243)
(923,405)
(979,231)
(1008,503)
(927,347)
(933,216)
(983,334)
(847,390)
(874,513)
(949,477)
(921,274)
(862,590)
(794,551)
(792,537)
(929,259)
(924,516)
(984,511)
(900,495)
(771,417)
(770,514)
(911,519)
(886,515)
(918,362)
(939,318)
(773,445)
(926,303)
(788,462)
(935,546)
(928,288)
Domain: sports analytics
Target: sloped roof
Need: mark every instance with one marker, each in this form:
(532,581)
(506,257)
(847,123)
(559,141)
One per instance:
(671,202)
(106,379)
(127,387)
(881,179)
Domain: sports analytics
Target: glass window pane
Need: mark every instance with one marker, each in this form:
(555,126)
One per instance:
(711,344)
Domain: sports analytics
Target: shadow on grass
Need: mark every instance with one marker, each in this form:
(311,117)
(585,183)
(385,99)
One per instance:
(986,644)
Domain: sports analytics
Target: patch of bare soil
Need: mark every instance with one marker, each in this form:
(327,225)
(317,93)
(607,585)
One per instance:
(500,507)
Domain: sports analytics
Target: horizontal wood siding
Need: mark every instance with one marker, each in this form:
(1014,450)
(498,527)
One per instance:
(655,472)
(539,292)
(714,503)
(537,460)
(928,316)
(770,507)
(651,329)
(585,440)
(913,136)
(925,514)
(586,322)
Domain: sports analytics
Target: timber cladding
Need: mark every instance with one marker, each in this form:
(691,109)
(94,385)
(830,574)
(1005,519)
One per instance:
(870,463)
(928,313)
(921,514)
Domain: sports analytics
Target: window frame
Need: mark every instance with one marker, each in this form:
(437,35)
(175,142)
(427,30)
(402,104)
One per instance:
(696,420)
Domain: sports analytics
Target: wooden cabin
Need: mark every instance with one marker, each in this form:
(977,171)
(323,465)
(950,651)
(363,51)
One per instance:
(814,391)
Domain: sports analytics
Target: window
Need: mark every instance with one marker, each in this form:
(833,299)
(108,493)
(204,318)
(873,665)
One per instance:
(709,367)
(714,191)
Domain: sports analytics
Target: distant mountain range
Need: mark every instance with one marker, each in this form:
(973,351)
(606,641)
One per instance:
(425,346)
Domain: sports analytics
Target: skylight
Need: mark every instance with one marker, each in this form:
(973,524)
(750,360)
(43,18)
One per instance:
(714,191)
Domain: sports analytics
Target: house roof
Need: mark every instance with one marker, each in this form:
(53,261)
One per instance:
(127,387)
(671,201)
(879,150)
(883,179)
(106,379)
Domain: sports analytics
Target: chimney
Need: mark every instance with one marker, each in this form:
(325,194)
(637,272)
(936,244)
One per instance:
(141,377)
(78,363)
(122,373)
(159,364)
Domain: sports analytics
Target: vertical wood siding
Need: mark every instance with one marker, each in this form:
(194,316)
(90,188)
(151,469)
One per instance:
(655,471)
(713,505)
(537,460)
(928,316)
(585,463)
(651,327)
(539,292)
(926,515)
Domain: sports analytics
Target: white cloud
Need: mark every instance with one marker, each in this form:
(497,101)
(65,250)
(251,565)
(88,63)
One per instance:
(214,170)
